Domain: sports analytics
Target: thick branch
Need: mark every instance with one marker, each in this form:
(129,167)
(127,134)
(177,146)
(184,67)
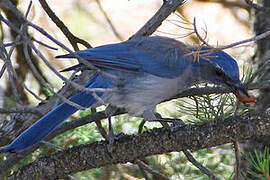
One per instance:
(158,141)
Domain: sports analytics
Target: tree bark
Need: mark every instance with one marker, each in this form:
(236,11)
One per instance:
(157,141)
(261,24)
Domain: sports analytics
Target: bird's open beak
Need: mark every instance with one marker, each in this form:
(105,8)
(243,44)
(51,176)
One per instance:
(241,93)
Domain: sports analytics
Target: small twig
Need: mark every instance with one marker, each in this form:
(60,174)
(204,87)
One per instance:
(94,94)
(43,44)
(32,93)
(72,39)
(229,3)
(198,34)
(11,72)
(3,69)
(199,166)
(52,145)
(237,160)
(176,36)
(157,174)
(175,23)
(140,128)
(143,171)
(28,9)
(116,33)
(183,20)
(33,39)
(166,9)
(254,38)
(101,130)
(111,136)
(197,106)
(259,71)
(33,68)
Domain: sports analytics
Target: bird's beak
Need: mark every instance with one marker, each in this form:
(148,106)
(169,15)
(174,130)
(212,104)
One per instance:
(241,93)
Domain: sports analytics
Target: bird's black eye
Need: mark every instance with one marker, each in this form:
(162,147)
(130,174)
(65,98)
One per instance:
(219,72)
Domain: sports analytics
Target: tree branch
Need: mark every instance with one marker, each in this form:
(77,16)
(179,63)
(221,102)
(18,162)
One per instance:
(72,39)
(166,9)
(114,30)
(159,140)
(6,134)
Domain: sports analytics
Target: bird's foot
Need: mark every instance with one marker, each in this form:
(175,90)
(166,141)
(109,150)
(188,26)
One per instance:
(156,117)
(174,123)
(164,122)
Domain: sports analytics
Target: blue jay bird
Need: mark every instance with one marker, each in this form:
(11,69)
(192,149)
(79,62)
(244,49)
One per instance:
(149,70)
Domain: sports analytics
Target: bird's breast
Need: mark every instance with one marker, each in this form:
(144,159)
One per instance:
(143,92)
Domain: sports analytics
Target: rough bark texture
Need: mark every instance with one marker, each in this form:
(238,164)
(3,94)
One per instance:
(261,24)
(131,147)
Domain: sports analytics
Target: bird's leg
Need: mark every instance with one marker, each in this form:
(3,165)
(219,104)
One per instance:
(110,110)
(111,136)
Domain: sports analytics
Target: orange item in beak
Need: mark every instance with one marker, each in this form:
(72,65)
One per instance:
(244,98)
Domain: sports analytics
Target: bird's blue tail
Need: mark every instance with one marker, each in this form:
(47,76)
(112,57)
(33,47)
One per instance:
(52,119)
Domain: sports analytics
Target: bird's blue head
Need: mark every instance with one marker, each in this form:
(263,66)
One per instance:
(220,68)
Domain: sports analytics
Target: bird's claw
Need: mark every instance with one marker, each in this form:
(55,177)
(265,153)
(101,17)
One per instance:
(164,121)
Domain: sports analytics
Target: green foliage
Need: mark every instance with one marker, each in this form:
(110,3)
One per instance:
(206,108)
(261,163)
(47,92)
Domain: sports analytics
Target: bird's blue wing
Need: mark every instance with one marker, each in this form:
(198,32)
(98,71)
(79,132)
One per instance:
(156,55)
